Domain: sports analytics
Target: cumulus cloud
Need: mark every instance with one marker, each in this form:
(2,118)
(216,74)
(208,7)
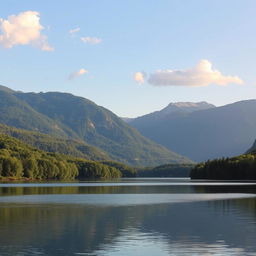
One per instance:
(80,72)
(23,29)
(201,75)
(139,77)
(91,40)
(73,31)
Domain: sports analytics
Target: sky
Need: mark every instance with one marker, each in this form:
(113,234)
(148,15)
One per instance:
(132,57)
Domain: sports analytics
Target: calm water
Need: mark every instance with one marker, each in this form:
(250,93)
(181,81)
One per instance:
(157,217)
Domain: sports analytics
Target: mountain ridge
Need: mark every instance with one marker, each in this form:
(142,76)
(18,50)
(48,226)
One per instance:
(173,108)
(67,116)
(223,131)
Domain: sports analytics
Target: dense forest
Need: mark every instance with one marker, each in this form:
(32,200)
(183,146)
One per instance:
(242,167)
(167,170)
(18,160)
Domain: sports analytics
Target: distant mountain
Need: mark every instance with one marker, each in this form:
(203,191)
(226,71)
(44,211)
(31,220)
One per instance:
(66,116)
(173,109)
(186,107)
(6,89)
(127,119)
(252,149)
(204,134)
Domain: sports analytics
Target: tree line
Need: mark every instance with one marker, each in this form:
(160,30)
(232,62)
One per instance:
(167,170)
(20,160)
(242,167)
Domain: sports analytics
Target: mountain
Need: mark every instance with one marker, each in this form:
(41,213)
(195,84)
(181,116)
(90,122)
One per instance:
(6,89)
(173,109)
(252,149)
(67,116)
(204,134)
(76,148)
(127,119)
(186,107)
(17,113)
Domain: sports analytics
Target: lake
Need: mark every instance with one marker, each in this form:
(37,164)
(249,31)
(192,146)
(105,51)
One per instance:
(128,217)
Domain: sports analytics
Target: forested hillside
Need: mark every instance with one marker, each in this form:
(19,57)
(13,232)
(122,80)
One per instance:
(70,117)
(18,160)
(72,147)
(242,167)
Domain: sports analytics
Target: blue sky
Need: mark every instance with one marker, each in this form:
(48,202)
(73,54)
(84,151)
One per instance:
(135,36)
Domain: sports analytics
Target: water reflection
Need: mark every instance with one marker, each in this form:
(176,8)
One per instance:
(120,199)
(132,187)
(226,226)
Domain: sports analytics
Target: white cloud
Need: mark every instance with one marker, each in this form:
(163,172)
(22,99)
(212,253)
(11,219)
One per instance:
(139,77)
(201,75)
(23,29)
(73,31)
(80,72)
(91,40)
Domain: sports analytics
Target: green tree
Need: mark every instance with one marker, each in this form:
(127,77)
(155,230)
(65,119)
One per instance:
(12,167)
(30,168)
